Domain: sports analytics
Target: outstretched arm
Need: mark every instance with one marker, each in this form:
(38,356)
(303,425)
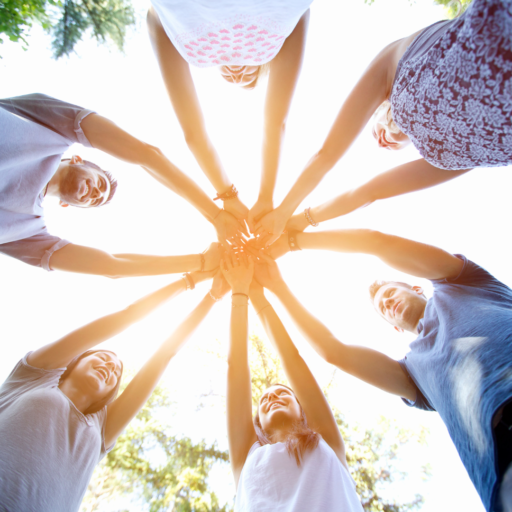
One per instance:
(59,353)
(126,407)
(366,364)
(371,90)
(241,434)
(87,260)
(302,381)
(284,73)
(182,93)
(105,135)
(409,177)
(408,256)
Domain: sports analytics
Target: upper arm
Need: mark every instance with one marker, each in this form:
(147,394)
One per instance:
(84,260)
(177,78)
(105,135)
(284,73)
(374,368)
(370,91)
(415,258)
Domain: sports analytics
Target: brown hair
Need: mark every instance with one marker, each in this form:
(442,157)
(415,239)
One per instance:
(97,406)
(300,439)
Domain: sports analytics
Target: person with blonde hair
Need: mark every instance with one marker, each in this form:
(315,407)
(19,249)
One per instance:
(447,89)
(245,40)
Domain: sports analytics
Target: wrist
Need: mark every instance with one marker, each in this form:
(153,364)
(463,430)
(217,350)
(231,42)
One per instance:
(278,287)
(244,289)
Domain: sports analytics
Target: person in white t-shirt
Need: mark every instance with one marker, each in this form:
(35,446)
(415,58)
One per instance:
(245,40)
(291,456)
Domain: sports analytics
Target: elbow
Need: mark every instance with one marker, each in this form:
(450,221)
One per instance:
(111,268)
(195,138)
(148,155)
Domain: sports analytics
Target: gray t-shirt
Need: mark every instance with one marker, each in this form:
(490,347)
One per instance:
(49,448)
(35,131)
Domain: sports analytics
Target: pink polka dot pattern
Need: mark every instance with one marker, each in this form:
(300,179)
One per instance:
(233,43)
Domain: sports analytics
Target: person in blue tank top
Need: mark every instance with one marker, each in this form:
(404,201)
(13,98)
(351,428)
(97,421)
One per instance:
(460,365)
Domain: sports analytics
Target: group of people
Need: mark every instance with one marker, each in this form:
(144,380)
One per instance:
(446,89)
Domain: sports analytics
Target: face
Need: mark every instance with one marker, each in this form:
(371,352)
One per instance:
(402,307)
(278,405)
(385,137)
(82,185)
(97,374)
(245,76)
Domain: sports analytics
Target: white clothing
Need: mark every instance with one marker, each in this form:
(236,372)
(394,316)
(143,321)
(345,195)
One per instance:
(229,32)
(271,481)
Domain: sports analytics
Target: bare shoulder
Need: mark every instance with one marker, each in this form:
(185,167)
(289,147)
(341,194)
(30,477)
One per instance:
(392,54)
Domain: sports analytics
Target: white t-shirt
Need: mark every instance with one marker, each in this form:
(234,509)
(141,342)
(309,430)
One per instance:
(229,32)
(271,481)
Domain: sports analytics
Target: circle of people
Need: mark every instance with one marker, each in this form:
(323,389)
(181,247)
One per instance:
(446,89)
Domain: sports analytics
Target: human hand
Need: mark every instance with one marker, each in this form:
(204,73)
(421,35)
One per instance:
(199,277)
(266,271)
(260,208)
(271,226)
(236,208)
(212,256)
(238,270)
(297,223)
(219,285)
(229,229)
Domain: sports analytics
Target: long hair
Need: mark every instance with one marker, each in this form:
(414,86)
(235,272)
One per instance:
(300,438)
(97,406)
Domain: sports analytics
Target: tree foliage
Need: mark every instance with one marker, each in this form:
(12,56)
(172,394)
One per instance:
(67,21)
(154,468)
(157,471)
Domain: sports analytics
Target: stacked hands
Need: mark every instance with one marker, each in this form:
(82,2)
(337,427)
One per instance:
(244,271)
(235,223)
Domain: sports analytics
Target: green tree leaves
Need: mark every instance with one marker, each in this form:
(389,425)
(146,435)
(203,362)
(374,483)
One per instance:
(67,21)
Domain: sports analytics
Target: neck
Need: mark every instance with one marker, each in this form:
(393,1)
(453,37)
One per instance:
(54,183)
(279,435)
(81,401)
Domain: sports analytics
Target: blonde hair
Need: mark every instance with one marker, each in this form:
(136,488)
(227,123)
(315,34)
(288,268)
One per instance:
(263,71)
(385,106)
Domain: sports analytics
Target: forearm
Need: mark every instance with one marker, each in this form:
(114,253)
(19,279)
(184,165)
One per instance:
(59,353)
(88,260)
(366,364)
(311,176)
(239,394)
(209,161)
(363,241)
(170,176)
(271,154)
(140,388)
(314,331)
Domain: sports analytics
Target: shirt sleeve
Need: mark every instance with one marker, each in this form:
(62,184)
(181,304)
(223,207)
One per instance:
(476,276)
(25,377)
(58,116)
(421,401)
(35,250)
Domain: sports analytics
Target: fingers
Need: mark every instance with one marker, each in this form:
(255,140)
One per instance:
(271,239)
